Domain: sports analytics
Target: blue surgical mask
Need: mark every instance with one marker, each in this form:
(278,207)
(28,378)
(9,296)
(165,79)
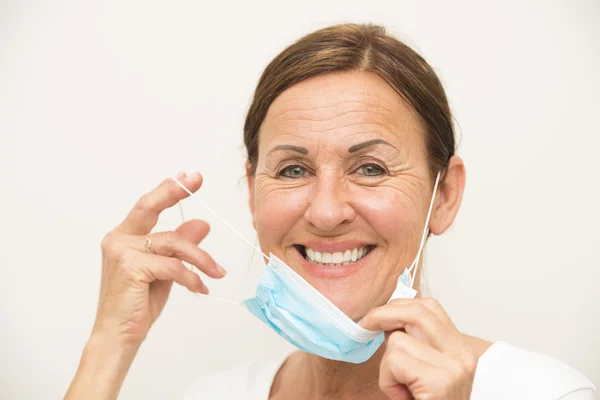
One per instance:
(300,314)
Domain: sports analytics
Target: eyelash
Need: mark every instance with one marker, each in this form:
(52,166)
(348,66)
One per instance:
(281,172)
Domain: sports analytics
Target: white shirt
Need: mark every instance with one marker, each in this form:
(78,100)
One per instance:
(504,372)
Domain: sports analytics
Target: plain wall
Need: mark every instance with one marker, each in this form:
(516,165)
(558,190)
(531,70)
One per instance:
(100,101)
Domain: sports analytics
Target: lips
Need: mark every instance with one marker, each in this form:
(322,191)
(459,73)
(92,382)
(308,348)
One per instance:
(334,259)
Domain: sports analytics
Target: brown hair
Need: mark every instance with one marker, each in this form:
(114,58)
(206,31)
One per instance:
(358,47)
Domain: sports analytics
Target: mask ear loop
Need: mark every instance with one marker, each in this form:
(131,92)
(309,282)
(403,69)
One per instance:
(190,266)
(415,264)
(221,219)
(254,247)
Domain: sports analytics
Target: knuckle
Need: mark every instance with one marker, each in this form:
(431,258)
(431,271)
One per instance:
(396,340)
(432,303)
(206,259)
(375,314)
(171,238)
(111,245)
(395,364)
(173,189)
(469,365)
(421,309)
(175,268)
(107,242)
(144,203)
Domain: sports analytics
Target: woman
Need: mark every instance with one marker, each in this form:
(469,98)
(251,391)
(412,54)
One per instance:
(347,133)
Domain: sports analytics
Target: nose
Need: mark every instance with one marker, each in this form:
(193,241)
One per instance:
(328,206)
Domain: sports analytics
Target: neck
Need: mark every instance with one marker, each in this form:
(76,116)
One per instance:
(315,377)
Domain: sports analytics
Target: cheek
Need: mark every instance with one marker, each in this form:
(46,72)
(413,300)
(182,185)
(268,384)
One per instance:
(391,212)
(277,210)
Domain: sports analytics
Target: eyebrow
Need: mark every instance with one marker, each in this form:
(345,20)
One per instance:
(298,149)
(352,149)
(373,142)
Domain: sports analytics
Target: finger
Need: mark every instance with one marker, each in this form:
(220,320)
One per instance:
(171,244)
(395,316)
(170,269)
(399,341)
(144,215)
(194,230)
(402,375)
(432,304)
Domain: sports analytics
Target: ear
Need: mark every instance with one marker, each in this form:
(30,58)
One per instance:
(250,180)
(448,197)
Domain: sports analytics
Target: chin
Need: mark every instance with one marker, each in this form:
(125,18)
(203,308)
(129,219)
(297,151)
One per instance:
(355,307)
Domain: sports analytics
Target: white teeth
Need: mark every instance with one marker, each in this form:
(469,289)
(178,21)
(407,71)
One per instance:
(338,258)
(347,255)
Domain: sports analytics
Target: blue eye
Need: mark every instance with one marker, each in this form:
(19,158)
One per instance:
(371,170)
(293,171)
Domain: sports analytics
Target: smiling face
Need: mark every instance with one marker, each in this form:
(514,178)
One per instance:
(342,186)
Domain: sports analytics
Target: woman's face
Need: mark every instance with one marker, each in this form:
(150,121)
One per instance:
(342,186)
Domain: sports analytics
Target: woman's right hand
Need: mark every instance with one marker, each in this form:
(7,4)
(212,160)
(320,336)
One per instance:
(136,283)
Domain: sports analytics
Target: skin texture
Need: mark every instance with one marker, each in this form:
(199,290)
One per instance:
(332,191)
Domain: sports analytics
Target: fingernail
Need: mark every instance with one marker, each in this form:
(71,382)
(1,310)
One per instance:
(221,270)
(180,175)
(194,176)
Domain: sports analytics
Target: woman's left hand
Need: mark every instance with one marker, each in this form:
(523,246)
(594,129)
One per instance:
(426,357)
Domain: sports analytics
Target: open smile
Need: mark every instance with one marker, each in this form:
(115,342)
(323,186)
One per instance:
(334,259)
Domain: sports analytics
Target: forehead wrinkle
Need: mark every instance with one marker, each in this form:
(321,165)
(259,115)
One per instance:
(301,116)
(395,134)
(340,110)
(344,120)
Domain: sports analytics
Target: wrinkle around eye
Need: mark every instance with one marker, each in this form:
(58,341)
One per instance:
(407,183)
(412,187)
(266,184)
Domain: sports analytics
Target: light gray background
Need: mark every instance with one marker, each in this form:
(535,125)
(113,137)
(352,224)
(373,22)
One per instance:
(99,101)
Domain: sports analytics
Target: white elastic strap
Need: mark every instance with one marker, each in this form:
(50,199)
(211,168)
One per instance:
(222,220)
(181,211)
(415,265)
(190,266)
(212,298)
